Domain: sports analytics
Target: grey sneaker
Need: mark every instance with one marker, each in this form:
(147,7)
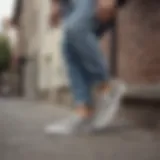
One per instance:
(73,125)
(108,105)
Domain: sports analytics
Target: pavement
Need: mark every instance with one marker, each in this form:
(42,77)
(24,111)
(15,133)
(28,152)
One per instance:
(22,136)
(144,92)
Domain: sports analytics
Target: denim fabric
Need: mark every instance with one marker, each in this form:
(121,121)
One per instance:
(85,61)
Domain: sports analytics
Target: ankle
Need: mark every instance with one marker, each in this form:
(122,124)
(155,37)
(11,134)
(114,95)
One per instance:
(84,111)
(103,87)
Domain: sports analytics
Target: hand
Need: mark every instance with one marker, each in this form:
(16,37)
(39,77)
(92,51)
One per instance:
(55,14)
(54,20)
(105,14)
(106,10)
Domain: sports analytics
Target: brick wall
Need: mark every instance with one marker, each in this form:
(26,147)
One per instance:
(139,38)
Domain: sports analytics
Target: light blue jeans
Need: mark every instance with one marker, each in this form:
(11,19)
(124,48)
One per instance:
(86,63)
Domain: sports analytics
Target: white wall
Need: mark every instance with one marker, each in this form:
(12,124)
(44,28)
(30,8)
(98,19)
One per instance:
(52,72)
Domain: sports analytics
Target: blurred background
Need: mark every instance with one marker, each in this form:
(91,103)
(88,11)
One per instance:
(34,86)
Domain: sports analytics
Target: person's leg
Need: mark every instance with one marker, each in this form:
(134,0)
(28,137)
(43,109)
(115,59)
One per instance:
(86,44)
(80,34)
(81,120)
(79,79)
(86,63)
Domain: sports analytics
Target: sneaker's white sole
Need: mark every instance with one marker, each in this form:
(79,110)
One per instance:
(111,111)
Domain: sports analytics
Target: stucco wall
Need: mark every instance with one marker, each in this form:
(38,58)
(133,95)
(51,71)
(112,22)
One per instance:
(51,67)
